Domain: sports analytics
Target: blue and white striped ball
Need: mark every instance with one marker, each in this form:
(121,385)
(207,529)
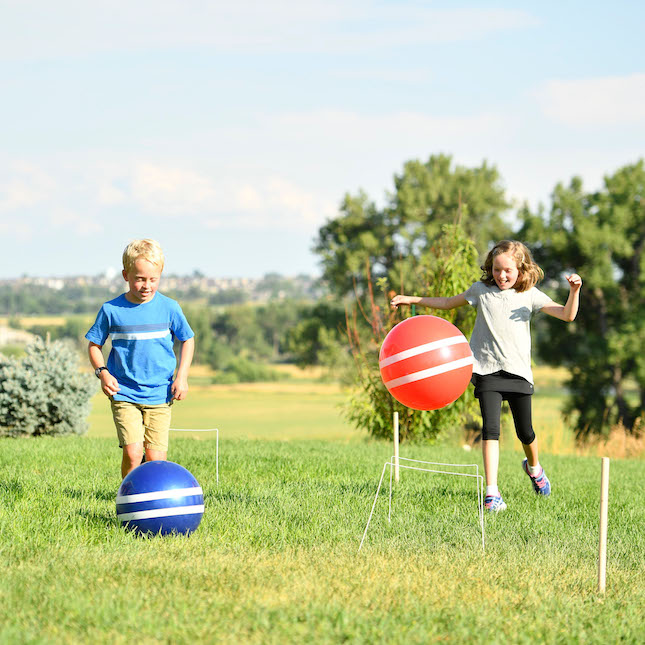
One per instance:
(160,497)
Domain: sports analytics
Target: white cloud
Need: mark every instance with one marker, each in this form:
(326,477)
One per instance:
(21,229)
(605,101)
(37,28)
(109,195)
(271,203)
(171,191)
(73,222)
(26,185)
(339,124)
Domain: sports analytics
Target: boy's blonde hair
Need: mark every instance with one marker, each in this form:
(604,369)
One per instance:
(142,249)
(529,272)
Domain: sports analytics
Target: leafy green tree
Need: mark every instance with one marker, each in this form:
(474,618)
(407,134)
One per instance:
(320,325)
(392,241)
(362,236)
(601,236)
(450,269)
(229,297)
(43,392)
(276,320)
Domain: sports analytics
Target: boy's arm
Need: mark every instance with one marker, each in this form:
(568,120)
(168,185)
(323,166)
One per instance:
(179,388)
(434,303)
(109,384)
(569,311)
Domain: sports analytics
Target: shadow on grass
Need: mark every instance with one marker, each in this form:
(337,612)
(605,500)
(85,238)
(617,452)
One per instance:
(99,519)
(102,495)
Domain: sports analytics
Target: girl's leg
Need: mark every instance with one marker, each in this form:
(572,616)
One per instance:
(490,452)
(521,409)
(520,405)
(531,452)
(490,404)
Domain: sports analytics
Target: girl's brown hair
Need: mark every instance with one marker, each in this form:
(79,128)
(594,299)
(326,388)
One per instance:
(529,272)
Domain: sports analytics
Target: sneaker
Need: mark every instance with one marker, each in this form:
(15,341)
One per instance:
(494,503)
(541,483)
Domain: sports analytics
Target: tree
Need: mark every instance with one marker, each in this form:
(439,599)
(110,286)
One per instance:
(362,235)
(394,239)
(43,393)
(601,236)
(318,329)
(450,268)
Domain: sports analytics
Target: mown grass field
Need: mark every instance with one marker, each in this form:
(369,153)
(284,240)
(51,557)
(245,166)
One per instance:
(303,407)
(275,558)
(296,409)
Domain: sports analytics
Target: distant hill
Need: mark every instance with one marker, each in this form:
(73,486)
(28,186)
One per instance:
(28,296)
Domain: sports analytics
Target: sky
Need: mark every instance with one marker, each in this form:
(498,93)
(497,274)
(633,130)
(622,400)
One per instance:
(230,131)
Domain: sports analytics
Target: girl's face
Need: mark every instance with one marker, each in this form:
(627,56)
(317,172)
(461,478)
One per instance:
(505,271)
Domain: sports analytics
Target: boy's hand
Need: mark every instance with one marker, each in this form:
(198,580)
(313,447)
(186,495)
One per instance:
(179,389)
(575,281)
(109,384)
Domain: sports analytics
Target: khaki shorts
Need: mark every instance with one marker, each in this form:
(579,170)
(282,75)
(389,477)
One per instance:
(140,423)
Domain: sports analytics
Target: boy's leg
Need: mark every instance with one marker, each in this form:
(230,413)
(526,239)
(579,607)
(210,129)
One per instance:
(129,428)
(156,422)
(132,456)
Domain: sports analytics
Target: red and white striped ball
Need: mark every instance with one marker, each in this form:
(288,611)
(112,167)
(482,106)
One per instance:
(425,362)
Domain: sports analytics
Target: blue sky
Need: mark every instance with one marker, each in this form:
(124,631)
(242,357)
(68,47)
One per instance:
(230,131)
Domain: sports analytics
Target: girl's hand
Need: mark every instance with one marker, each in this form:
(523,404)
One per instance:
(575,281)
(400,300)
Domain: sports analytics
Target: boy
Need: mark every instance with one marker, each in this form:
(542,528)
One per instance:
(138,378)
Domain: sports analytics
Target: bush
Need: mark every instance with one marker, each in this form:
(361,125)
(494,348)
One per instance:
(242,370)
(449,268)
(43,393)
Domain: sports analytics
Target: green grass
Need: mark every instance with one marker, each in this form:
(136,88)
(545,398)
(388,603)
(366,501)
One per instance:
(275,558)
(266,411)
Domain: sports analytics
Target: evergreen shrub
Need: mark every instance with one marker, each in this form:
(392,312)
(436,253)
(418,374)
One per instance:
(43,392)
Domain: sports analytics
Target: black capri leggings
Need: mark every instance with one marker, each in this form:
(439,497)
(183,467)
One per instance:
(491,408)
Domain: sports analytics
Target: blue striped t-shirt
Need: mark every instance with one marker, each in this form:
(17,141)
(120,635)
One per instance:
(142,358)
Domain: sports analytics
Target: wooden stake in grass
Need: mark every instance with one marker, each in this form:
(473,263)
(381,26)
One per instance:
(604,502)
(396,446)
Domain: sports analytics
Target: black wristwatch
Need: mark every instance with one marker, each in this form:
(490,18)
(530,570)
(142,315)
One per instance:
(98,371)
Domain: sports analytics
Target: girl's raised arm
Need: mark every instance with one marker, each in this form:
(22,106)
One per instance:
(569,311)
(433,303)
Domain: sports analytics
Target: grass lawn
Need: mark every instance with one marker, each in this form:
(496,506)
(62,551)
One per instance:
(275,558)
(262,411)
(305,408)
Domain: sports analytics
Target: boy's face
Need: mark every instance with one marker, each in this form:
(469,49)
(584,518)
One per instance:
(143,279)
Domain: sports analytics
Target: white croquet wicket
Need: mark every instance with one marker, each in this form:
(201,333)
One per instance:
(216,431)
(396,446)
(479,483)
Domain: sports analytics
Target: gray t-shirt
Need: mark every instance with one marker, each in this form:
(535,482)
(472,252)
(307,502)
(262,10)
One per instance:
(501,338)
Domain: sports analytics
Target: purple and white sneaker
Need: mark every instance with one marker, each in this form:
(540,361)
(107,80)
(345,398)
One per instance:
(541,483)
(494,503)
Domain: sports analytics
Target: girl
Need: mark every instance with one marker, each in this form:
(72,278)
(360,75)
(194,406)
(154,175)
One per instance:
(505,299)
